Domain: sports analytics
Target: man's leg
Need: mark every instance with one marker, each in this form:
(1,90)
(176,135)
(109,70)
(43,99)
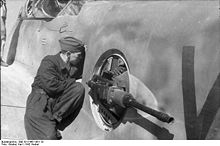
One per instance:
(69,119)
(69,105)
(38,125)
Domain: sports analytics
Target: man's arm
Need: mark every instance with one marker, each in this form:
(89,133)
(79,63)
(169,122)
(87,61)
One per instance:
(49,78)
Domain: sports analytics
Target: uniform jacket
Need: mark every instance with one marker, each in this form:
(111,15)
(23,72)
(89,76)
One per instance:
(54,75)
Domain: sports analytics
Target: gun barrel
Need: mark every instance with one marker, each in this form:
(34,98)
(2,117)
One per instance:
(159,115)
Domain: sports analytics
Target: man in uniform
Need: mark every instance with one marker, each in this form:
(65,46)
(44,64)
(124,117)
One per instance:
(57,96)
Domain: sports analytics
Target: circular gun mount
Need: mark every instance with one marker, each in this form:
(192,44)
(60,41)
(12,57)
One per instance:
(109,92)
(111,70)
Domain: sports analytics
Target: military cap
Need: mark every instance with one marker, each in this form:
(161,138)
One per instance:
(71,44)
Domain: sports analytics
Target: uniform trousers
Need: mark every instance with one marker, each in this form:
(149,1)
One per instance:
(45,115)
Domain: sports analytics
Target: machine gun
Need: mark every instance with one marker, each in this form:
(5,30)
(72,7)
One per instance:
(103,91)
(110,99)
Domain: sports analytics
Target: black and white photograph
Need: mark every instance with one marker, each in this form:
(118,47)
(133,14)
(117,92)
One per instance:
(109,70)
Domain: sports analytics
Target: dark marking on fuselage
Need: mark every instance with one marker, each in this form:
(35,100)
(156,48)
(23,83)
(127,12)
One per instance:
(197,127)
